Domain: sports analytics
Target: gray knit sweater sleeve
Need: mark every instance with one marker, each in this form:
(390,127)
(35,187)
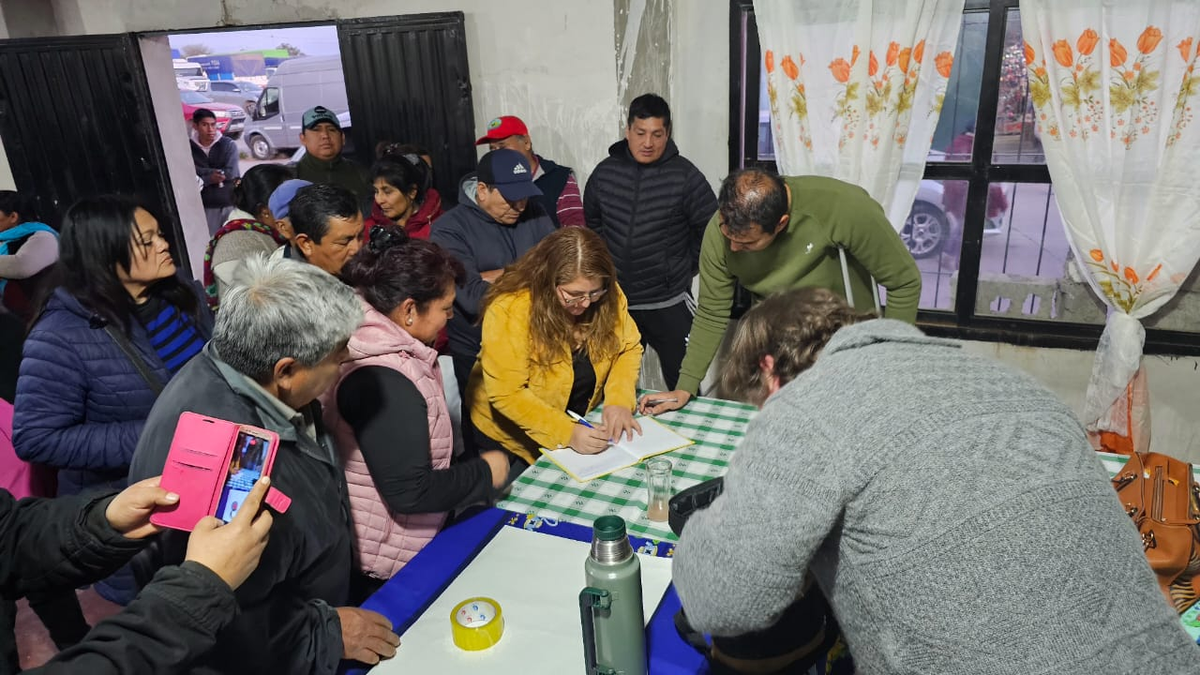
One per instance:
(742,561)
(235,247)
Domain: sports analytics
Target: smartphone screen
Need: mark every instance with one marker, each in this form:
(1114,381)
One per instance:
(250,453)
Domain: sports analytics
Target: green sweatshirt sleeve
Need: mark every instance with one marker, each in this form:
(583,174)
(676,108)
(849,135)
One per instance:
(862,228)
(712,311)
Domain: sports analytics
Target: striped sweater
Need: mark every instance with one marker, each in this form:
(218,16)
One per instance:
(172,334)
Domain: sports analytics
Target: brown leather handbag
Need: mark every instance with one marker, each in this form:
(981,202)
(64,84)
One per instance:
(1161,495)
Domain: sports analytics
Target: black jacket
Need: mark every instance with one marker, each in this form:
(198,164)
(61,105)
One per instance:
(653,217)
(64,542)
(288,623)
(222,156)
(481,244)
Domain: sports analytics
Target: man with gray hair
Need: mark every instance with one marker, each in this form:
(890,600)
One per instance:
(276,346)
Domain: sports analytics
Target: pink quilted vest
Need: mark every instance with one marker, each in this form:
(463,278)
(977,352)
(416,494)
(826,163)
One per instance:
(387,541)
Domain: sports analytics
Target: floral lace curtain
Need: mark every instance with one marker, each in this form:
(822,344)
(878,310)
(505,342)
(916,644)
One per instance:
(856,87)
(1114,86)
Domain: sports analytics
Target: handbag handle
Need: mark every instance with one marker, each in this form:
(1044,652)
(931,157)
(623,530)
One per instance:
(138,362)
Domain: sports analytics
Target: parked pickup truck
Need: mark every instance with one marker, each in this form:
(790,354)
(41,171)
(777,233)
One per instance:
(231,119)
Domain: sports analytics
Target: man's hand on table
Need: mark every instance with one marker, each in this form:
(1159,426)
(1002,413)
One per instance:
(366,636)
(663,401)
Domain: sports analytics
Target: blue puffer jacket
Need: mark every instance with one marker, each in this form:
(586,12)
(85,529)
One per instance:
(80,403)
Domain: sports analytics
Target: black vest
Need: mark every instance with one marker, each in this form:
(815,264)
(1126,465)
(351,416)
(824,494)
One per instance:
(552,182)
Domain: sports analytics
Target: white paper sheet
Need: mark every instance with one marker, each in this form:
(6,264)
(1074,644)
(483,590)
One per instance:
(655,439)
(536,578)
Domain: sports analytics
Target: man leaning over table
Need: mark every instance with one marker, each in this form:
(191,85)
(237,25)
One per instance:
(948,506)
(773,233)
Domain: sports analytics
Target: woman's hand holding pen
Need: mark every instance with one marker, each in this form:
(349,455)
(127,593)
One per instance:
(588,440)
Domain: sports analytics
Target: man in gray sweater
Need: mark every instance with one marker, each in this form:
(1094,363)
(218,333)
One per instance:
(949,507)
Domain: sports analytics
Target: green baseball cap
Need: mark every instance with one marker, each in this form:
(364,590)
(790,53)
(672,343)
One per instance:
(314,116)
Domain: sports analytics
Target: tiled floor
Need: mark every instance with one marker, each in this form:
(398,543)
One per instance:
(33,642)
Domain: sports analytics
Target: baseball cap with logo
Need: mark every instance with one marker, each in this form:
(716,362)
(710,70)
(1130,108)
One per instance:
(314,116)
(280,200)
(507,171)
(501,128)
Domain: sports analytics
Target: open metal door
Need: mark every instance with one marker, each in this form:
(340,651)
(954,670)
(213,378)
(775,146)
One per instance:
(407,81)
(76,119)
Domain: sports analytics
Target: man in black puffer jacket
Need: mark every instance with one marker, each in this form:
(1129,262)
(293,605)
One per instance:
(651,206)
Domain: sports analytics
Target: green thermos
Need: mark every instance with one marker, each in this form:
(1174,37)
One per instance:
(610,607)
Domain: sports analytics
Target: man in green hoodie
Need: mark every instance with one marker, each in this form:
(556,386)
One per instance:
(773,233)
(323,162)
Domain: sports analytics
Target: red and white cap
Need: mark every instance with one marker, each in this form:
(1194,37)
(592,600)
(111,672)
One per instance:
(501,128)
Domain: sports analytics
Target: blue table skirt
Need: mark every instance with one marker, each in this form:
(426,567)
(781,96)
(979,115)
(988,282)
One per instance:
(406,596)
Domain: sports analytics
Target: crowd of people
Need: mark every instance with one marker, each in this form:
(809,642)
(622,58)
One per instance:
(413,359)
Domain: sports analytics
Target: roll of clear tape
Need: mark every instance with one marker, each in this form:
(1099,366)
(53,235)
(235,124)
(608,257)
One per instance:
(476,624)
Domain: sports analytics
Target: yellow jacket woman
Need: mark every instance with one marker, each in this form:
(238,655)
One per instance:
(557,336)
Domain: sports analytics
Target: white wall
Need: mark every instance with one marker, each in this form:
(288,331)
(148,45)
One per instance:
(1173,382)
(6,176)
(700,86)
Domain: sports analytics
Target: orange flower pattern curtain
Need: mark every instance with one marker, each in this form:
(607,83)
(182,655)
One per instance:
(856,87)
(1114,84)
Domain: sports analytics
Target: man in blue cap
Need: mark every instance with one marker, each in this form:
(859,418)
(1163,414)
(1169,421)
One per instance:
(496,221)
(280,204)
(323,163)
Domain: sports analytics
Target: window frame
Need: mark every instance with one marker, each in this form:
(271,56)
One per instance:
(962,322)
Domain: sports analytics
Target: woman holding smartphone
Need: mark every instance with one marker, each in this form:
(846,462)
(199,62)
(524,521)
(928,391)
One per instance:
(388,409)
(557,339)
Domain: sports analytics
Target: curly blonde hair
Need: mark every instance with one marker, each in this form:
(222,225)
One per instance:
(560,258)
(790,326)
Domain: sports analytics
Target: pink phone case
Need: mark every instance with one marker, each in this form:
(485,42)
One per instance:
(197,465)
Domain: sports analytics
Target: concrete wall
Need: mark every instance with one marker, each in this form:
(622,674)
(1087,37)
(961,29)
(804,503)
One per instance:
(1173,382)
(27,18)
(6,176)
(699,94)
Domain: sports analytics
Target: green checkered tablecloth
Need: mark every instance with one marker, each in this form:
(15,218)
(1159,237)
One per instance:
(716,426)
(1114,463)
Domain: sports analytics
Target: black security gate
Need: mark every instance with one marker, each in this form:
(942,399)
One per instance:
(76,119)
(407,81)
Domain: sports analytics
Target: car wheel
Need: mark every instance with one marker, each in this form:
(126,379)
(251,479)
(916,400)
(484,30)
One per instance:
(926,230)
(260,147)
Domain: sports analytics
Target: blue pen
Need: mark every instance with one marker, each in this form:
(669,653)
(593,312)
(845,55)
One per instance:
(580,420)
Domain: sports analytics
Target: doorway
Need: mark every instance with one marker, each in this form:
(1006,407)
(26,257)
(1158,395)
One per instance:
(93,114)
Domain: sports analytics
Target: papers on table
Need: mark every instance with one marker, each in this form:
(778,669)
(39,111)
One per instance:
(655,440)
(536,579)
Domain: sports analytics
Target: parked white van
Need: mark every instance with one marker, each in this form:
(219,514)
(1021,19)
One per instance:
(298,84)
